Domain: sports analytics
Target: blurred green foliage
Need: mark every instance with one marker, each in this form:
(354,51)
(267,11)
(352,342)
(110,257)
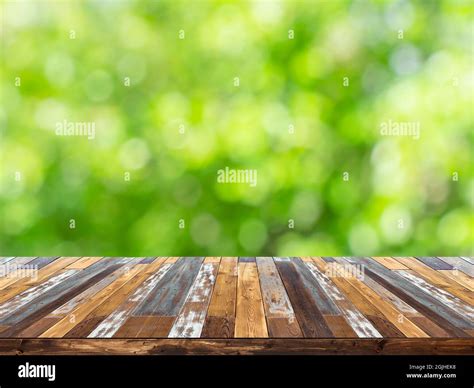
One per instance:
(253,85)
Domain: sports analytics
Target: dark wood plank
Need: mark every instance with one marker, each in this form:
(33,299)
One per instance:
(248,346)
(170,293)
(310,318)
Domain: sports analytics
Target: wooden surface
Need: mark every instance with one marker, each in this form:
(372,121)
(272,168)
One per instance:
(232,305)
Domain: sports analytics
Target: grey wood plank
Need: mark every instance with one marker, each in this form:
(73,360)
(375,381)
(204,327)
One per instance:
(421,301)
(170,293)
(62,289)
(246,259)
(460,264)
(435,263)
(470,260)
(41,262)
(325,304)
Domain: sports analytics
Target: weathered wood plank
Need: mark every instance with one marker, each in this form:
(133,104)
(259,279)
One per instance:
(191,318)
(425,304)
(437,278)
(250,315)
(93,319)
(460,277)
(79,313)
(170,293)
(361,326)
(56,296)
(310,318)
(460,264)
(220,320)
(390,263)
(247,346)
(281,318)
(112,325)
(443,296)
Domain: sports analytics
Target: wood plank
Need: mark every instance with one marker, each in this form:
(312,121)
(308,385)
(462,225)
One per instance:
(437,278)
(112,325)
(88,325)
(325,304)
(423,303)
(191,318)
(281,318)
(56,296)
(216,260)
(310,318)
(25,283)
(435,263)
(250,315)
(79,313)
(460,277)
(247,346)
(390,263)
(444,297)
(145,327)
(340,327)
(41,262)
(84,262)
(169,295)
(220,320)
(389,311)
(359,323)
(460,264)
(12,305)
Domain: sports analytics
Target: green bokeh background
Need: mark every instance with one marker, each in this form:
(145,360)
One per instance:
(400,199)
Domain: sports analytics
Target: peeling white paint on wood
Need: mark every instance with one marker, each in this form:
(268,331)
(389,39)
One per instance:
(274,295)
(359,323)
(69,306)
(109,326)
(191,318)
(397,302)
(444,297)
(27,296)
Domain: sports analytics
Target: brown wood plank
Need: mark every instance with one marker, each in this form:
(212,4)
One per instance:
(84,262)
(340,327)
(247,346)
(250,315)
(146,327)
(390,263)
(220,320)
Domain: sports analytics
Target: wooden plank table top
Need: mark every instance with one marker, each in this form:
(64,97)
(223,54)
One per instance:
(236,305)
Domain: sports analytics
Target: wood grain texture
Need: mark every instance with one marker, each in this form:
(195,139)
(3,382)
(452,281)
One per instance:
(233,300)
(247,346)
(281,318)
(250,316)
